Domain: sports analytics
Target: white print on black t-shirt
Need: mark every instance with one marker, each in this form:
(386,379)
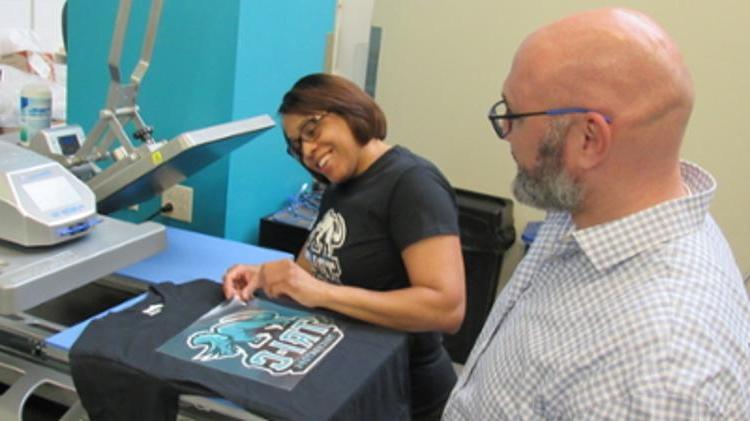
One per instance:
(153,309)
(266,340)
(325,238)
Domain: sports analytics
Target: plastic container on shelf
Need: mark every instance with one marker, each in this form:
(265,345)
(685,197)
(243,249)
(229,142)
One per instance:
(36,110)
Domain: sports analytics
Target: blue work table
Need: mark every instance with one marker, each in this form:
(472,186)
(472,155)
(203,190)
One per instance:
(187,256)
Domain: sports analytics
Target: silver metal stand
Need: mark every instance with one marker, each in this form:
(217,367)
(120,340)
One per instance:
(121,107)
(32,377)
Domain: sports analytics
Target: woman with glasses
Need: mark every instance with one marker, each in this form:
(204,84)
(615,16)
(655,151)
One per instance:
(385,247)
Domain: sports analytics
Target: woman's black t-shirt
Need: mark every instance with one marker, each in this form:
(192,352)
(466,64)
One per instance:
(363,226)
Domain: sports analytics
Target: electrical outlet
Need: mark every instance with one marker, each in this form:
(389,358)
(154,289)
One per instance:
(181,198)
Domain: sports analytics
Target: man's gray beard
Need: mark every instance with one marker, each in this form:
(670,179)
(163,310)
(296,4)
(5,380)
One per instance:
(547,186)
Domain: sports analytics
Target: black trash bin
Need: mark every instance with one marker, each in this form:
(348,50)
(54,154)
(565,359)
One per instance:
(487,232)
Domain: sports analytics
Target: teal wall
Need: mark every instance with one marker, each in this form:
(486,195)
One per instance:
(213,62)
(288,38)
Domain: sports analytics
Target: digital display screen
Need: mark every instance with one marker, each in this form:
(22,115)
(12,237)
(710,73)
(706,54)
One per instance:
(52,193)
(69,144)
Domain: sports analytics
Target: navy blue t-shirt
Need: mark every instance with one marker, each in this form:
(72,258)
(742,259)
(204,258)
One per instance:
(119,374)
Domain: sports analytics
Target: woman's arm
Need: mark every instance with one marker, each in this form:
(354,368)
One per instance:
(435,300)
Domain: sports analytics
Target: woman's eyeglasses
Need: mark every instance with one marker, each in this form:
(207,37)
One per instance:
(307,133)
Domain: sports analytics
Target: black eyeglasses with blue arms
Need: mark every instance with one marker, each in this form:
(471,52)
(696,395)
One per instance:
(502,119)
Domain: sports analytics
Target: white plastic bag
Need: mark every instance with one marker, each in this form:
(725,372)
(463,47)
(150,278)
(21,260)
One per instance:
(21,48)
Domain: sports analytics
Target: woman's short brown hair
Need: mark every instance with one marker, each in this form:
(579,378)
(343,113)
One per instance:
(321,92)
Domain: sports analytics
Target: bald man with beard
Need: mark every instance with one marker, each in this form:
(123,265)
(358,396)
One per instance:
(629,304)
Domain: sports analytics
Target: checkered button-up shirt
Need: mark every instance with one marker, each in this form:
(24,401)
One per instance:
(645,317)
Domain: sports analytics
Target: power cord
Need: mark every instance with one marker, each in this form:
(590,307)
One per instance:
(167,207)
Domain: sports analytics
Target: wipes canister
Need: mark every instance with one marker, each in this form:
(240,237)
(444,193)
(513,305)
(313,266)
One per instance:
(36,110)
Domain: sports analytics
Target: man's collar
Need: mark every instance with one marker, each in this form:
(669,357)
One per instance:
(613,242)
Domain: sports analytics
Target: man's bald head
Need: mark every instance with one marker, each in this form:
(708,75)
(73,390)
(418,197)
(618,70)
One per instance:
(616,61)
(622,65)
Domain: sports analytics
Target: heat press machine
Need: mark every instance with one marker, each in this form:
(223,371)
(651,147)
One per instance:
(58,249)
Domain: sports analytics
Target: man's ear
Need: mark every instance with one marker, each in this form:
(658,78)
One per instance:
(594,141)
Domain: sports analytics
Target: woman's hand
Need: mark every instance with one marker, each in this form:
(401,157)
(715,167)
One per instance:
(278,278)
(285,277)
(240,280)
